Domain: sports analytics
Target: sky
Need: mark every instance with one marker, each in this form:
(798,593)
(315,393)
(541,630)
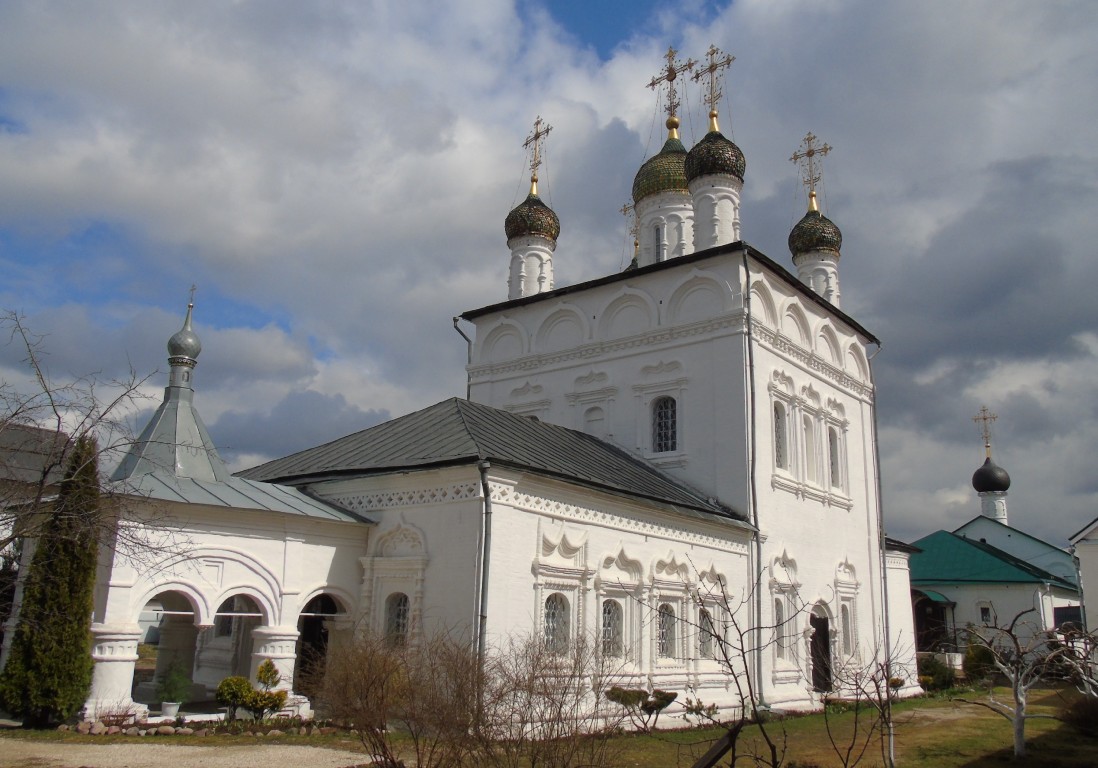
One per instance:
(334,176)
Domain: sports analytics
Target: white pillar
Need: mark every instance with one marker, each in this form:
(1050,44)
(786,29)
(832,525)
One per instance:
(279,645)
(115,653)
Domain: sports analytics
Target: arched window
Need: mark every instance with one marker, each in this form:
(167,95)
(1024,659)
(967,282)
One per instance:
(706,632)
(664,425)
(810,469)
(833,460)
(848,637)
(779,627)
(612,628)
(665,632)
(556,623)
(781,437)
(396,619)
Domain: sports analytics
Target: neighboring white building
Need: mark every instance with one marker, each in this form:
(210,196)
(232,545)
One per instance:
(637,451)
(1084,542)
(985,573)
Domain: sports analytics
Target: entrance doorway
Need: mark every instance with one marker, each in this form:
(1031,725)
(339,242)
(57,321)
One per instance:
(821,652)
(312,643)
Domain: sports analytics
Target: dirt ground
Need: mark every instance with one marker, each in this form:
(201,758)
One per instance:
(18,753)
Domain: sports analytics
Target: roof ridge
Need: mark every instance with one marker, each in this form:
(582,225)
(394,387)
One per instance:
(468,428)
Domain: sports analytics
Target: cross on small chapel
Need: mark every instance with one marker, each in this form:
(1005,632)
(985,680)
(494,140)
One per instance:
(712,73)
(985,418)
(535,139)
(673,70)
(193,289)
(810,171)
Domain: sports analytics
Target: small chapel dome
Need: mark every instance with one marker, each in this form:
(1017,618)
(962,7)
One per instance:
(184,342)
(715,154)
(532,217)
(664,171)
(990,478)
(815,232)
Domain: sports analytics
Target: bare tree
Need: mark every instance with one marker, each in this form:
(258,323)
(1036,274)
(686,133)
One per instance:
(1024,657)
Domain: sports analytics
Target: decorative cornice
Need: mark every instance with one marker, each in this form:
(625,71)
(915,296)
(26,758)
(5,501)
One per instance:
(784,346)
(506,494)
(806,492)
(413,497)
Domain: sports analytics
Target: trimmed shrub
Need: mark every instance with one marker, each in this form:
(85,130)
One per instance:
(935,675)
(234,693)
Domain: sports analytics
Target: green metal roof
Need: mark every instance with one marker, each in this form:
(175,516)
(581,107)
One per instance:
(950,559)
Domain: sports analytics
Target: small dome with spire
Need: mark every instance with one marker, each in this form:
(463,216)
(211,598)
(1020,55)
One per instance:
(715,154)
(664,171)
(815,232)
(532,217)
(184,342)
(990,478)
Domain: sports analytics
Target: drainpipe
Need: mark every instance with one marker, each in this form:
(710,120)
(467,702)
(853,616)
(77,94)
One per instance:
(468,357)
(485,550)
(883,555)
(752,462)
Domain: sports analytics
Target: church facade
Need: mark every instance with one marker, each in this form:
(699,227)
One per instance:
(657,459)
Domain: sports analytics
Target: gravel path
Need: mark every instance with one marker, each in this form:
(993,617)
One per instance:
(17,753)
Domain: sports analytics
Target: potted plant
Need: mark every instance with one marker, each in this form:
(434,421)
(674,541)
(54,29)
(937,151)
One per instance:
(173,689)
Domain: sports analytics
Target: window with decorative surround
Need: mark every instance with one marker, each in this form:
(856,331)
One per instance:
(665,425)
(556,620)
(612,630)
(785,617)
(846,590)
(666,631)
(396,619)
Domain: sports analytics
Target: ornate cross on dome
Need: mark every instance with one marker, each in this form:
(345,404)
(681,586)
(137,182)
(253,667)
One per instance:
(673,70)
(712,73)
(810,171)
(193,289)
(985,418)
(535,139)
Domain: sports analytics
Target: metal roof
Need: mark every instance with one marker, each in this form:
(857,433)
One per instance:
(950,559)
(458,431)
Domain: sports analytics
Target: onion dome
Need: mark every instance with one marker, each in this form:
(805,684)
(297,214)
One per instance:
(715,154)
(990,478)
(664,171)
(185,343)
(815,232)
(532,217)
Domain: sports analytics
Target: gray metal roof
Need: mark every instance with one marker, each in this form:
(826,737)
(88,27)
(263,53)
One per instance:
(175,460)
(458,431)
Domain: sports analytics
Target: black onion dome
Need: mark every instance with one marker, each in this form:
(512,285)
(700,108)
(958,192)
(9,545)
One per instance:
(815,232)
(990,478)
(662,172)
(532,217)
(715,154)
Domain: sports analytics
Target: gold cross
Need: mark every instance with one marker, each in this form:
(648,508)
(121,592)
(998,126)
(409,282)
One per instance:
(810,171)
(985,417)
(712,73)
(673,70)
(535,138)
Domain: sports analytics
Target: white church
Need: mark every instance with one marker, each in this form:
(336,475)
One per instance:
(636,454)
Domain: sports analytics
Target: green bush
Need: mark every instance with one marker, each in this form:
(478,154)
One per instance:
(979,662)
(234,693)
(935,675)
(1082,715)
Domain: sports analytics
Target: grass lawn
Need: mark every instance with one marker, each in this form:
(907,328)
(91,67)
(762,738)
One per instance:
(930,733)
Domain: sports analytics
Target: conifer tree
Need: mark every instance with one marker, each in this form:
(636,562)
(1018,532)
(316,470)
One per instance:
(48,673)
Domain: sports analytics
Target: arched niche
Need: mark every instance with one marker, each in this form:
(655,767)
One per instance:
(828,347)
(856,364)
(505,341)
(795,324)
(763,307)
(563,329)
(698,297)
(630,313)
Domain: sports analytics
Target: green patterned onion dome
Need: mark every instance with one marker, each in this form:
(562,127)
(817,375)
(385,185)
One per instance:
(662,172)
(715,154)
(815,232)
(532,217)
